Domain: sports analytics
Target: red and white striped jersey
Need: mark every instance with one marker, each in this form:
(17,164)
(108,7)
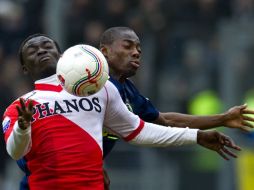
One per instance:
(65,151)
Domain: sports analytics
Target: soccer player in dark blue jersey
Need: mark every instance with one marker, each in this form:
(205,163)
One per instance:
(121,47)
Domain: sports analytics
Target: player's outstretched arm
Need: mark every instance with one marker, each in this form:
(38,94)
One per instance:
(133,130)
(233,118)
(156,135)
(218,142)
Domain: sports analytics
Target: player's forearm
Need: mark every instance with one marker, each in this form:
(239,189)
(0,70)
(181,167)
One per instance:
(191,121)
(159,136)
(19,142)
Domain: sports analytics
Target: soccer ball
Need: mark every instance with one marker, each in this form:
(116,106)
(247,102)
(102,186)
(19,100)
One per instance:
(82,70)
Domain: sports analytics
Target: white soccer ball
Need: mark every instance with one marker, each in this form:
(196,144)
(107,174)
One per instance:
(82,70)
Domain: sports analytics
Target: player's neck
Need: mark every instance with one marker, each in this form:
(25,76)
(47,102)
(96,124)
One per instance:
(120,78)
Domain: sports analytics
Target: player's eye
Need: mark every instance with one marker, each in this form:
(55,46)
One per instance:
(48,45)
(127,46)
(31,52)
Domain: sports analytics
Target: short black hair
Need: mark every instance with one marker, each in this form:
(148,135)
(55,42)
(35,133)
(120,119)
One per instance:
(31,37)
(111,34)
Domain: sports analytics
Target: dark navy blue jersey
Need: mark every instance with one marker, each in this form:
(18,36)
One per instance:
(136,103)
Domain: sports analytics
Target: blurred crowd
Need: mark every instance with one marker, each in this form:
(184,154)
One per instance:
(188,46)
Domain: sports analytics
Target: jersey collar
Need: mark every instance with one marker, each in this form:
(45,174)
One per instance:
(48,84)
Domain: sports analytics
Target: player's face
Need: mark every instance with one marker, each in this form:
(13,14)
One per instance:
(40,57)
(124,55)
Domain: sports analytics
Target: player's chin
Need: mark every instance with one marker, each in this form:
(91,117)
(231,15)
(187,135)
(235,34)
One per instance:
(132,72)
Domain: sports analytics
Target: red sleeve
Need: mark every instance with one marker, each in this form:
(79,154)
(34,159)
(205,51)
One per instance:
(9,118)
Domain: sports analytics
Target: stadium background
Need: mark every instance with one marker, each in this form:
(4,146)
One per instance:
(197,58)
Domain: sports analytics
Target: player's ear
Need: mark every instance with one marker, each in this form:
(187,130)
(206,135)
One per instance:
(24,68)
(104,51)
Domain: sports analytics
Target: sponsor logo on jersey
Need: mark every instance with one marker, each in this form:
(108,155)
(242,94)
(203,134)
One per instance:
(6,124)
(46,109)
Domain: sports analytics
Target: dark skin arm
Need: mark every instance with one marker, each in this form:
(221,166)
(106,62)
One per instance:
(217,142)
(233,118)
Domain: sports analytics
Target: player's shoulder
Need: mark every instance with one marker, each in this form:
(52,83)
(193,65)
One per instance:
(129,84)
(111,90)
(11,109)
(16,102)
(109,85)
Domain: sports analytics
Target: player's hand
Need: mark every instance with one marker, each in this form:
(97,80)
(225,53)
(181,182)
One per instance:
(25,113)
(106,180)
(236,118)
(218,142)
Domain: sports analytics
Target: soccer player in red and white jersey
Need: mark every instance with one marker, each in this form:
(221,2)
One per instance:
(59,135)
